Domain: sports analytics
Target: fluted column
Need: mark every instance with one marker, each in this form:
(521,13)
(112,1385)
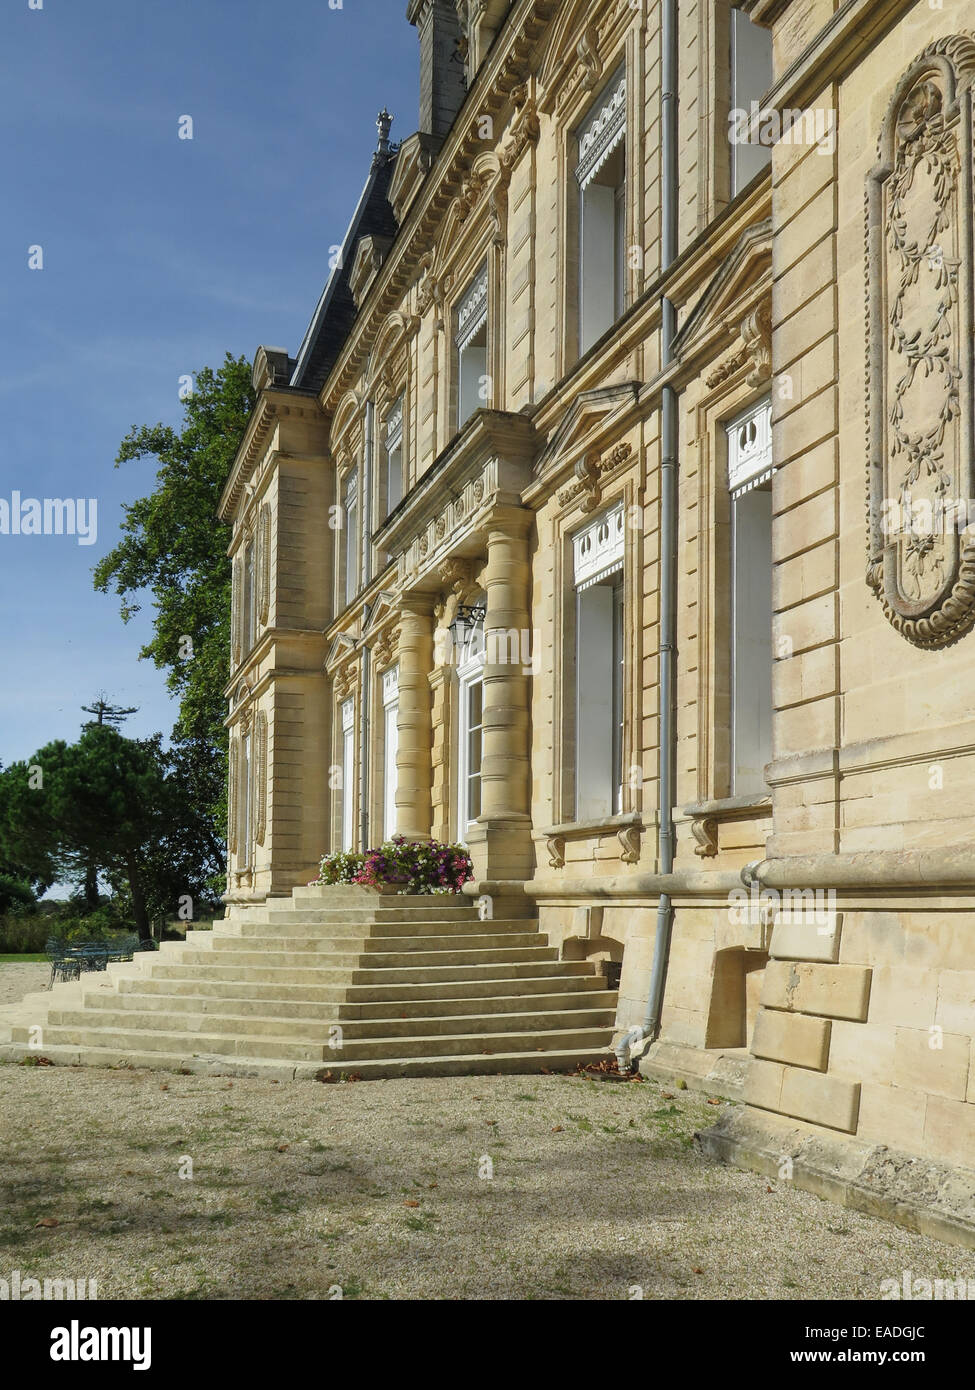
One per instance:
(413,718)
(505,819)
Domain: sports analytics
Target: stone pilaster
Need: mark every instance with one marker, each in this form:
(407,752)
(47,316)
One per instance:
(413,756)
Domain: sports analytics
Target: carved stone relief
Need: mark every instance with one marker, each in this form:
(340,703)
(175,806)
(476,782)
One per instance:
(921,560)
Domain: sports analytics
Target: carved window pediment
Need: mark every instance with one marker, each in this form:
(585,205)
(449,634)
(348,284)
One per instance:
(920,323)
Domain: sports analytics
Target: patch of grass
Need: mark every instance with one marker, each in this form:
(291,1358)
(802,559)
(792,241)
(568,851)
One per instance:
(584,1124)
(525,1097)
(18,960)
(420,1222)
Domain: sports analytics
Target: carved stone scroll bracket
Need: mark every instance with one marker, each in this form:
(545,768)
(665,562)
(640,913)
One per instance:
(629,838)
(587,51)
(705,834)
(555,844)
(756,334)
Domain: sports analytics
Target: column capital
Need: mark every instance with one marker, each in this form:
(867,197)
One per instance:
(507,520)
(419,603)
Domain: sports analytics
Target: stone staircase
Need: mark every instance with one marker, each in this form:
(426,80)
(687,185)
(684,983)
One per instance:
(339,980)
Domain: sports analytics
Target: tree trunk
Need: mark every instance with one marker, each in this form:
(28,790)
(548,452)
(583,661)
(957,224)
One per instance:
(139,905)
(91,888)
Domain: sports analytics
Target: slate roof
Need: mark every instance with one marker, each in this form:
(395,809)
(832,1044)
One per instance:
(333,319)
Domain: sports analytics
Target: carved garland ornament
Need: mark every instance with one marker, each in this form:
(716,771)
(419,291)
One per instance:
(589,471)
(386,647)
(920,377)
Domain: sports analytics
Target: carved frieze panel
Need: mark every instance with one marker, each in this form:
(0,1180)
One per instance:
(920,378)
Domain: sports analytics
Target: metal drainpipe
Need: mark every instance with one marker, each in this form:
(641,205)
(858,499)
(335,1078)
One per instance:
(365,573)
(668,538)
(364,744)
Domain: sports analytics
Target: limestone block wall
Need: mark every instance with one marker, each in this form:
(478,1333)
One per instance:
(867,1014)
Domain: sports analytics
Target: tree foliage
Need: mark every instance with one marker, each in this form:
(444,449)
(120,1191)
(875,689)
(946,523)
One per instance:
(124,805)
(174,547)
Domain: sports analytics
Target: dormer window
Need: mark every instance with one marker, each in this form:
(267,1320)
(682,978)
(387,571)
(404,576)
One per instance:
(601,173)
(471,346)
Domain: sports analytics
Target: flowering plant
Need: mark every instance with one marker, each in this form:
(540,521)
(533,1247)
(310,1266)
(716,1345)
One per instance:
(413,866)
(341,867)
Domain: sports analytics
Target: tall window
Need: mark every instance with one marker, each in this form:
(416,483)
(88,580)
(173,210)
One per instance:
(598,576)
(246,814)
(394,456)
(749,479)
(348,774)
(470,339)
(350,521)
(751,77)
(249,620)
(470,732)
(390,747)
(601,172)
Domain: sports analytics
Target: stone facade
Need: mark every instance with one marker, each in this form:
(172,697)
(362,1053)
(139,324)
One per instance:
(823,297)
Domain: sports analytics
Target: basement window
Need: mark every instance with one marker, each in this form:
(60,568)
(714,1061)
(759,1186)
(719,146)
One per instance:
(390,748)
(601,173)
(751,77)
(470,341)
(750,471)
(598,582)
(348,774)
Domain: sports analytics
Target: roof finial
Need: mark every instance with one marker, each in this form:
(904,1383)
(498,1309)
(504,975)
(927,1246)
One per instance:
(383,122)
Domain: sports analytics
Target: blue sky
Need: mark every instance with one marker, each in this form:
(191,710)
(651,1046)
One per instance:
(160,255)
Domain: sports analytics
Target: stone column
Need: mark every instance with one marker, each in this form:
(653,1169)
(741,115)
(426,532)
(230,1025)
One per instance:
(413,718)
(503,841)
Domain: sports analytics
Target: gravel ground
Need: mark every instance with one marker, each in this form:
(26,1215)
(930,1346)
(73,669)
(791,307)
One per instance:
(23,977)
(384,1189)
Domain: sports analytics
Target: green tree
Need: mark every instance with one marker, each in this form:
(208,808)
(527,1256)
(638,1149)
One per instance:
(121,804)
(174,547)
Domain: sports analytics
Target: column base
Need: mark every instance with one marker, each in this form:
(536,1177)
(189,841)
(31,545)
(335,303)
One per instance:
(502,848)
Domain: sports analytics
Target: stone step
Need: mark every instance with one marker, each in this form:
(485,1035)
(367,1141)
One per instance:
(216,1064)
(374,976)
(358,915)
(341,896)
(289,1049)
(299,1007)
(332,958)
(317,1029)
(311,945)
(297,926)
(358,996)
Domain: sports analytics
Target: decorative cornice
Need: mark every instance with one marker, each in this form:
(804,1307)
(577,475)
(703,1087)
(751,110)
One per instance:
(274,405)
